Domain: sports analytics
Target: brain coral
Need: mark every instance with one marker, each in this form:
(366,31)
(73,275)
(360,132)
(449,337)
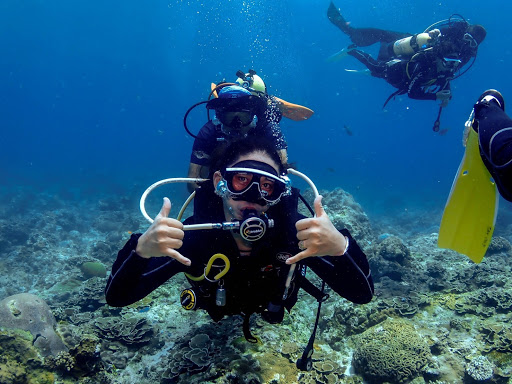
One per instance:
(390,351)
(31,313)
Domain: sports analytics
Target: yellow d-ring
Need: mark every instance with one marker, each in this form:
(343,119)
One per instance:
(209,266)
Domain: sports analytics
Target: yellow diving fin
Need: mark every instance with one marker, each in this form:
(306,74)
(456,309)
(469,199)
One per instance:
(470,212)
(291,111)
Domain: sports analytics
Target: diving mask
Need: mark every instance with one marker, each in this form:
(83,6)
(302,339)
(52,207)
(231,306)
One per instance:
(236,119)
(254,182)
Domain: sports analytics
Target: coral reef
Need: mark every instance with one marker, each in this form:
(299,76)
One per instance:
(344,212)
(460,310)
(391,259)
(20,361)
(391,351)
(31,313)
(82,360)
(480,369)
(128,330)
(498,245)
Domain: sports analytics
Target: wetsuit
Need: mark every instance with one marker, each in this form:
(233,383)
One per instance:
(211,138)
(254,283)
(495,137)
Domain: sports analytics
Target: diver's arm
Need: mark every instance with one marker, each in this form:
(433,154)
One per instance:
(134,277)
(194,172)
(348,275)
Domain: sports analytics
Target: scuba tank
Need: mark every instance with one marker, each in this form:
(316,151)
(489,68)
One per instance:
(408,46)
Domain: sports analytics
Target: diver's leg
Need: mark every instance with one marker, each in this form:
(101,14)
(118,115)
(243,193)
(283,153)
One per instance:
(495,135)
(362,37)
(377,69)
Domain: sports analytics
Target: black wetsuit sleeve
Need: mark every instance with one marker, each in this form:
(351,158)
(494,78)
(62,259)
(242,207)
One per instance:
(348,275)
(204,144)
(134,277)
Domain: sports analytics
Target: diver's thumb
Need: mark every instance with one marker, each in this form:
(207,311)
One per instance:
(317,204)
(166,208)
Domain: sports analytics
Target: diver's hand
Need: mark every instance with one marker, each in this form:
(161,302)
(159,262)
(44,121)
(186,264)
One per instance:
(434,35)
(444,97)
(318,236)
(163,237)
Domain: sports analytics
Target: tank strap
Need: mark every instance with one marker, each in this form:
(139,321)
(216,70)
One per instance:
(247,329)
(305,362)
(392,96)
(310,288)
(414,43)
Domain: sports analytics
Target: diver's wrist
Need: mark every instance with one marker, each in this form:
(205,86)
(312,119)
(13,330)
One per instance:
(345,247)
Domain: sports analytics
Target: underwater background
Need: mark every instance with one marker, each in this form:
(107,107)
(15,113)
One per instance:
(92,100)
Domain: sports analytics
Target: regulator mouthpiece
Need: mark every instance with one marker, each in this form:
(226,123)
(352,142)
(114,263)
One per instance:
(252,227)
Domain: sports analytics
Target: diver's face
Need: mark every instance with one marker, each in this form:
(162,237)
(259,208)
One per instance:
(234,209)
(236,123)
(236,119)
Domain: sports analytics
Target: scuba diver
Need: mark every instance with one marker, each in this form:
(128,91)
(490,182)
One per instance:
(243,108)
(485,172)
(257,264)
(494,128)
(420,65)
(238,114)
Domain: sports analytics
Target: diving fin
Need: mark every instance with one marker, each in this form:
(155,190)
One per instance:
(213,88)
(291,111)
(335,17)
(359,71)
(470,212)
(338,56)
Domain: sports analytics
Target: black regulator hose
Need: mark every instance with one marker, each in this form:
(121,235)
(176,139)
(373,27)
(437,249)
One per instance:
(186,115)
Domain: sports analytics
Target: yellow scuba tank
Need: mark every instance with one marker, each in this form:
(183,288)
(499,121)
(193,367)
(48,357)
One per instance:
(408,46)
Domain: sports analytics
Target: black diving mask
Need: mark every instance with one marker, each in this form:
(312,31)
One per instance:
(255,182)
(235,119)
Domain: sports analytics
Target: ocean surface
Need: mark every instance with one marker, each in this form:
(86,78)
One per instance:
(93,95)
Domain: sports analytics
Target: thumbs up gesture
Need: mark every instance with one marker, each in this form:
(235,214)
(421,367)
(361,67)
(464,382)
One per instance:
(317,236)
(163,237)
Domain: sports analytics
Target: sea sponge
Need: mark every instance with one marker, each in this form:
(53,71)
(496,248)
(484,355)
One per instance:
(93,269)
(391,351)
(31,313)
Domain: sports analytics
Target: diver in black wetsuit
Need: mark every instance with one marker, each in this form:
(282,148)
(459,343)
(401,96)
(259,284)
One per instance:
(494,128)
(238,114)
(420,65)
(249,189)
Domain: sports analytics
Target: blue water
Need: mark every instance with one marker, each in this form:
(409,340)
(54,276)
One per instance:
(93,93)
